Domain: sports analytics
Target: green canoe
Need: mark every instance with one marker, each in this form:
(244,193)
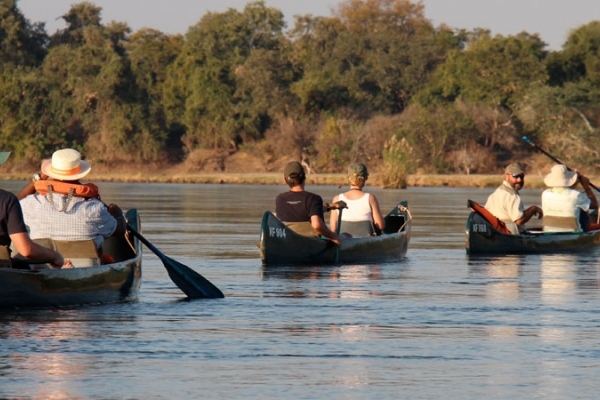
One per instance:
(483,238)
(107,283)
(279,245)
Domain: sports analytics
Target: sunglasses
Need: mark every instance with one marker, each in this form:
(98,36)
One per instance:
(517,176)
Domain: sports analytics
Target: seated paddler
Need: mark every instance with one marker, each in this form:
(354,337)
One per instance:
(506,204)
(363,216)
(566,209)
(14,235)
(300,210)
(58,206)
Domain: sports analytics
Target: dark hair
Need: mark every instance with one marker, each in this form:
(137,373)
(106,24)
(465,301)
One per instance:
(295,179)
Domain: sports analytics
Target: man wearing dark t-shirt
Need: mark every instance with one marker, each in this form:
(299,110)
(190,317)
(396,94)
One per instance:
(300,206)
(13,229)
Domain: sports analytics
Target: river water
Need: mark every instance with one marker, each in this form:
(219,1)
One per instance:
(437,325)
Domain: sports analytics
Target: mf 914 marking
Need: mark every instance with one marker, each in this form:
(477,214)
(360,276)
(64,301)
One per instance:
(277,232)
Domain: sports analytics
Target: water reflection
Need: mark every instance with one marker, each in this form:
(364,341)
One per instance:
(57,346)
(351,273)
(502,273)
(347,280)
(563,275)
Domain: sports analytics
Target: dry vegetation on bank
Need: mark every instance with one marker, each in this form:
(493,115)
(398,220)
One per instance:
(206,168)
(272,178)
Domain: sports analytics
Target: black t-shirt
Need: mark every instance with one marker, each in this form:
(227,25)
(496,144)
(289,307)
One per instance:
(11,217)
(298,206)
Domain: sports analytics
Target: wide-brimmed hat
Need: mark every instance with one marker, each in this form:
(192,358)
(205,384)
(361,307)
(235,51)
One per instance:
(4,156)
(66,165)
(560,176)
(293,170)
(358,169)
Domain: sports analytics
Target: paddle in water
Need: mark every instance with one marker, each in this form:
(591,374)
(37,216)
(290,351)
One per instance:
(194,285)
(550,156)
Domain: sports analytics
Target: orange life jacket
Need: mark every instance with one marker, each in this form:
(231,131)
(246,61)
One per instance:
(86,190)
(496,223)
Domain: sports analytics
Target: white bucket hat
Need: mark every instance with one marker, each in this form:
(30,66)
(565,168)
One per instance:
(560,176)
(66,165)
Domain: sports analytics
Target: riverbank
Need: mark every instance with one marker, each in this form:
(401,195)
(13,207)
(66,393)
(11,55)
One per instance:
(265,178)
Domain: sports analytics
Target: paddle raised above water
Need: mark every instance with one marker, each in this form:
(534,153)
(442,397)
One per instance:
(194,285)
(550,156)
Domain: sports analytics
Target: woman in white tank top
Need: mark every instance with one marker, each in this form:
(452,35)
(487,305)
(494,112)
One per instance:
(363,215)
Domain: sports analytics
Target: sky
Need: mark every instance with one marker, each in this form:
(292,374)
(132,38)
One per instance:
(552,20)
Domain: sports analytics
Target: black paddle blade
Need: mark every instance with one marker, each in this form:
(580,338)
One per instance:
(194,285)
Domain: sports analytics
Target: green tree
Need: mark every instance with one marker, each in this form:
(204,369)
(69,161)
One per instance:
(150,53)
(372,56)
(433,133)
(564,115)
(22,49)
(21,43)
(492,70)
(102,111)
(201,90)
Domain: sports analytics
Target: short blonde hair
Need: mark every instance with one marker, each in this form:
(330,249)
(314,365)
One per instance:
(356,180)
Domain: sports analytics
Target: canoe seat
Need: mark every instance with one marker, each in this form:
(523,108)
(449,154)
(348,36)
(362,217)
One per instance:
(301,228)
(5,261)
(82,253)
(560,224)
(358,228)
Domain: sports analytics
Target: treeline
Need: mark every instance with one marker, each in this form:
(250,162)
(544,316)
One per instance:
(375,82)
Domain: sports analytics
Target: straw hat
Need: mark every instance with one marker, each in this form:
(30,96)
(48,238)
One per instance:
(560,176)
(66,165)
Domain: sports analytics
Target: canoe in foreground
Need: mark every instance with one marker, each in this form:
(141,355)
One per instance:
(279,245)
(108,283)
(483,238)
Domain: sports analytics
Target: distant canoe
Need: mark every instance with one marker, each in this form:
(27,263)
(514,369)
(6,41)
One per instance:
(108,283)
(483,238)
(279,245)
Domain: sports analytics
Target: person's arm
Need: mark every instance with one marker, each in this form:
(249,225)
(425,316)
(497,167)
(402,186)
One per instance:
(117,213)
(585,183)
(378,220)
(319,226)
(528,213)
(29,188)
(333,215)
(33,251)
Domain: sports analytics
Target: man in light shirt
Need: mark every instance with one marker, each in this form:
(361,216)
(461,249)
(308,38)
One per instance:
(506,204)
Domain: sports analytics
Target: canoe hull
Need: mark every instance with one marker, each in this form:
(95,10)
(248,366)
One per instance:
(482,238)
(101,284)
(279,245)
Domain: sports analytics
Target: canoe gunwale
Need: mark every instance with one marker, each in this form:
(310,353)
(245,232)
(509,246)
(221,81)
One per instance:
(279,245)
(482,238)
(54,288)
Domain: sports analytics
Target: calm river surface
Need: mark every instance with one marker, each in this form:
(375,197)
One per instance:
(437,325)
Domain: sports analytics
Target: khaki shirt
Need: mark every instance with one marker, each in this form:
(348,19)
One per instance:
(505,204)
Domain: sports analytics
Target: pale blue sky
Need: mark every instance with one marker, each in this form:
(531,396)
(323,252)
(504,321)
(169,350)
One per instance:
(551,19)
